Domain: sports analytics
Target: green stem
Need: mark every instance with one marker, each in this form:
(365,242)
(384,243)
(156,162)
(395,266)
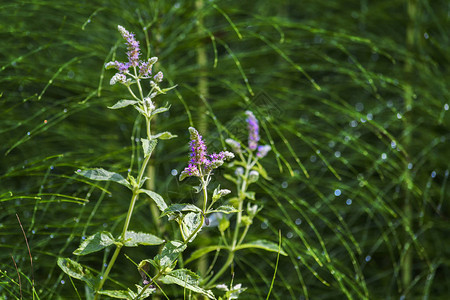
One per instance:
(127,220)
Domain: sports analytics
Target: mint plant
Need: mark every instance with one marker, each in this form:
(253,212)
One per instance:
(190,219)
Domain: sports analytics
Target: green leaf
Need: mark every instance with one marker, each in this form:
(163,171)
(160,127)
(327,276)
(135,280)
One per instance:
(115,294)
(123,103)
(226,209)
(160,110)
(169,254)
(164,136)
(262,244)
(168,89)
(133,239)
(95,243)
(179,208)
(250,195)
(191,221)
(188,280)
(100,174)
(148,146)
(224,223)
(75,270)
(202,251)
(155,197)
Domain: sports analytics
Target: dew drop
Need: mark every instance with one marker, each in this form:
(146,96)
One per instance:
(313,158)
(317,151)
(33,232)
(105,265)
(389,103)
(359,106)
(369,116)
(399,116)
(433,174)
(402,297)
(264,225)
(353,123)
(174,172)
(347,138)
(28,133)
(393,144)
(284,185)
(52,167)
(136,140)
(79,170)
(65,110)
(446,106)
(289,235)
(337,192)
(383,156)
(105,225)
(348,202)
(410,166)
(101,277)
(331,144)
(83,238)
(299,257)
(62,282)
(337,154)
(52,236)
(368,258)
(426,36)
(298,221)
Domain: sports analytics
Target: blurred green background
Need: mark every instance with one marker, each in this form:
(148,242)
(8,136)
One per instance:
(352,95)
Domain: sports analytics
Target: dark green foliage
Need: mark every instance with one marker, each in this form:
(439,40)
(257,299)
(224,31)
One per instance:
(351,95)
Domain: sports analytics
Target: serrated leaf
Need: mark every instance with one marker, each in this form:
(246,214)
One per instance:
(115,294)
(169,254)
(230,178)
(164,136)
(179,208)
(262,244)
(146,293)
(155,197)
(226,209)
(76,270)
(133,239)
(188,280)
(95,243)
(123,103)
(100,174)
(191,221)
(148,146)
(202,251)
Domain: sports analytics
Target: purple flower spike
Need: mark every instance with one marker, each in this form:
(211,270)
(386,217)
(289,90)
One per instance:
(200,163)
(253,130)
(133,46)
